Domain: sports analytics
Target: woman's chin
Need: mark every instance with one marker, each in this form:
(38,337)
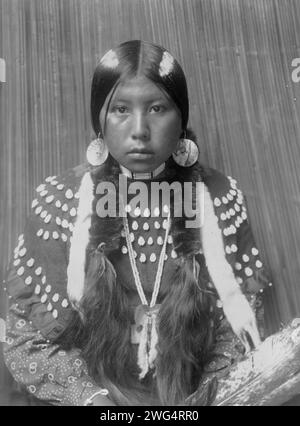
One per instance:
(141,164)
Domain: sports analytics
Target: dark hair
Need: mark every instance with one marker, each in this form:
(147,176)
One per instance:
(134,58)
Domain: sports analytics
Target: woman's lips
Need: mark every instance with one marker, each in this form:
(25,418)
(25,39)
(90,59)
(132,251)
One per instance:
(140,154)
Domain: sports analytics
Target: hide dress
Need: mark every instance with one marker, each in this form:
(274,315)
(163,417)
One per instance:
(36,283)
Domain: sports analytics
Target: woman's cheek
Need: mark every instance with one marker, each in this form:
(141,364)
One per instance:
(116,120)
(115,130)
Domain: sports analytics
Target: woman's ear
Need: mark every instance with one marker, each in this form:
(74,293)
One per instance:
(189,134)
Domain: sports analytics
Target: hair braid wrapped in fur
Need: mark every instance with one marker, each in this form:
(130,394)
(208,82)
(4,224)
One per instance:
(184,337)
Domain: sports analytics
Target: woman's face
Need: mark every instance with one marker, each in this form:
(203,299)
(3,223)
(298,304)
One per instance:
(142,125)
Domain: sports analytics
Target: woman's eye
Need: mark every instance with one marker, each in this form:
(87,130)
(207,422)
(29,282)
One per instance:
(120,109)
(157,108)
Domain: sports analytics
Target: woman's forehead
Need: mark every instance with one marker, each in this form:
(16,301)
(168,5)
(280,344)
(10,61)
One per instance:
(140,88)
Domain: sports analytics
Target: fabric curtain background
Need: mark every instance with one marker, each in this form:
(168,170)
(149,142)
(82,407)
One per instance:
(244,106)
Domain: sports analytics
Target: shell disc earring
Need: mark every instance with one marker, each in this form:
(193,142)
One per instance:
(97,152)
(186,152)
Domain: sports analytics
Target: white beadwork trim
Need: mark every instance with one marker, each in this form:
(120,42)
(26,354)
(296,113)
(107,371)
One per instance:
(236,307)
(80,240)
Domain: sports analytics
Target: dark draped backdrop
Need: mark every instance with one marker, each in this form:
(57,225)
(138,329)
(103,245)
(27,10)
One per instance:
(237,56)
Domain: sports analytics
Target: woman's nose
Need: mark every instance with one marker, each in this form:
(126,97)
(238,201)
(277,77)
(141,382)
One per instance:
(140,127)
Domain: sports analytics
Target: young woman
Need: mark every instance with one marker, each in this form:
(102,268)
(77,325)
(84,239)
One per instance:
(120,297)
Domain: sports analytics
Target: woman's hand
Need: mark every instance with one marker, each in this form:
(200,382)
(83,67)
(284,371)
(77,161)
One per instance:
(242,319)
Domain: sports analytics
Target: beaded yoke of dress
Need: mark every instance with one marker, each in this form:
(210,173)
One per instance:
(147,231)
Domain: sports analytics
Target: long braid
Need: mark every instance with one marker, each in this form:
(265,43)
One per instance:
(184,337)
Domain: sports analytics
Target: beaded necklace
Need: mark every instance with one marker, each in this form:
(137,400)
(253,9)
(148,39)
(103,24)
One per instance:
(146,313)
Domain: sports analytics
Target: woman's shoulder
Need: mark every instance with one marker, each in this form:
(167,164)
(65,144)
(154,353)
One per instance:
(223,189)
(218,184)
(228,200)
(57,197)
(37,273)
(63,183)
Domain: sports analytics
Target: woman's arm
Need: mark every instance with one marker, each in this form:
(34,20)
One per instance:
(39,306)
(47,372)
(243,255)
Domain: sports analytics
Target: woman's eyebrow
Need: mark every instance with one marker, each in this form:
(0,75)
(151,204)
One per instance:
(149,100)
